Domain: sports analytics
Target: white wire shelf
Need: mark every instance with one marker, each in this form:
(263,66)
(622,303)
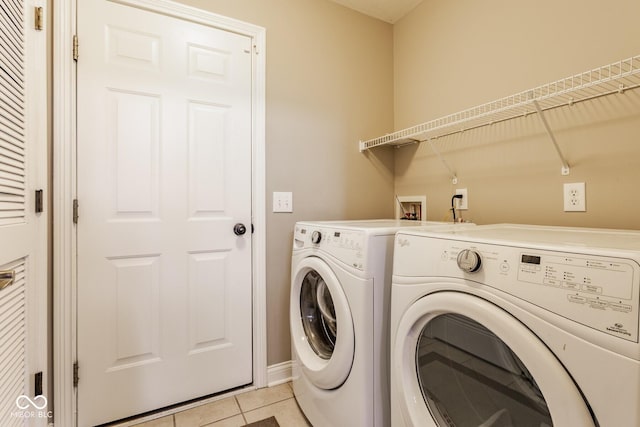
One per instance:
(608,79)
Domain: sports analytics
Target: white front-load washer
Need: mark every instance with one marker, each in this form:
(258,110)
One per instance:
(340,287)
(510,325)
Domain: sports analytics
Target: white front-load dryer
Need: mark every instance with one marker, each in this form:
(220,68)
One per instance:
(510,325)
(340,287)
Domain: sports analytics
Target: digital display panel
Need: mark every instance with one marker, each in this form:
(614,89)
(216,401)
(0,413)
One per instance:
(531,259)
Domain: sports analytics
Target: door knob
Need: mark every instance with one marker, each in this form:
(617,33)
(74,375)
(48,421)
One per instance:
(239,229)
(6,278)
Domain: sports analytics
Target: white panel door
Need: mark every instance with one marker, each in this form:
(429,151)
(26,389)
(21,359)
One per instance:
(164,174)
(23,232)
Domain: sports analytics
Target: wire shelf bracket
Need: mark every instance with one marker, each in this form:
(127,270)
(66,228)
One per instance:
(565,166)
(454,178)
(616,77)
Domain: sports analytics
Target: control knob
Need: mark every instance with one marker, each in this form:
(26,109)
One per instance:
(316,236)
(469,261)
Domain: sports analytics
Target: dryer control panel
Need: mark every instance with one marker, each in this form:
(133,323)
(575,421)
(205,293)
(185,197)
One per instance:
(345,246)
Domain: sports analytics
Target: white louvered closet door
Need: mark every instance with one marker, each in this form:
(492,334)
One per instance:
(23,170)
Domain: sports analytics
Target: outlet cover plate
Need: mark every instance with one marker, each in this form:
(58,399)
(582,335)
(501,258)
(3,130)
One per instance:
(462,204)
(575,197)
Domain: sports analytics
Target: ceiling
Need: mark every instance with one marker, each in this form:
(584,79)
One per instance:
(386,10)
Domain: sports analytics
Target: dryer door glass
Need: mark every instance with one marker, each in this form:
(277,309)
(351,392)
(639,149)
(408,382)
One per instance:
(469,377)
(318,314)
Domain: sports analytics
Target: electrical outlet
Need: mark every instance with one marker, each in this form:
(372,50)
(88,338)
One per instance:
(282,201)
(462,204)
(575,197)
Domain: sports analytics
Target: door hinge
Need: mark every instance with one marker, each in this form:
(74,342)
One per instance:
(38,21)
(76,378)
(37,384)
(75,211)
(75,47)
(39,207)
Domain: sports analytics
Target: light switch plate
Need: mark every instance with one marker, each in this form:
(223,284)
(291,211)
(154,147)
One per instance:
(282,201)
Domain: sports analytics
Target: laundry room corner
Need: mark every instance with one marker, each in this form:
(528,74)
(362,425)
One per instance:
(454,56)
(197,197)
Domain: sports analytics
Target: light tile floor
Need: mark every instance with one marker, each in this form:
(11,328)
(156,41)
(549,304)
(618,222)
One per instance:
(238,410)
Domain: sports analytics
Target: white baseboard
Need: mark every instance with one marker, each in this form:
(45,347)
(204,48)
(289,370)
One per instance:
(279,373)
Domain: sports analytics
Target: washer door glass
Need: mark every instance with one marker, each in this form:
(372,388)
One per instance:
(461,360)
(318,314)
(470,377)
(322,329)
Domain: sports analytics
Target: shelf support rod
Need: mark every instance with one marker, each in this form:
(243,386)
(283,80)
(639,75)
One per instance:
(454,178)
(565,166)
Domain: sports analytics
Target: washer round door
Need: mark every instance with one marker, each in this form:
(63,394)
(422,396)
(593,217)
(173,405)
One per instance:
(462,361)
(321,325)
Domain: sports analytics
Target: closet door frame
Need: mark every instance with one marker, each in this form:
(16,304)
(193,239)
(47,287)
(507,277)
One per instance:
(64,187)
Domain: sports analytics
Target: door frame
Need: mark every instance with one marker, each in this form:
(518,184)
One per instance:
(65,190)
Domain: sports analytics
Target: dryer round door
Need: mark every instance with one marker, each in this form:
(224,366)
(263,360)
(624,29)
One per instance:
(321,324)
(463,361)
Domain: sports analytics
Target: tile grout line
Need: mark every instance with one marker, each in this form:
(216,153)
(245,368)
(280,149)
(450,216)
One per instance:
(262,407)
(241,411)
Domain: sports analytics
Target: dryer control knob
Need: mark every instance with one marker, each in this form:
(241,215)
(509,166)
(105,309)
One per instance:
(469,260)
(316,236)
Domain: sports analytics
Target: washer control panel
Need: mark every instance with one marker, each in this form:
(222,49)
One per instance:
(345,245)
(598,291)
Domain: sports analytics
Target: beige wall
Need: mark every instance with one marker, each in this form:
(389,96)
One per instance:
(333,76)
(329,84)
(452,55)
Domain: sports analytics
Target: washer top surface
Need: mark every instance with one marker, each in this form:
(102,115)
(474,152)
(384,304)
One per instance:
(379,226)
(570,238)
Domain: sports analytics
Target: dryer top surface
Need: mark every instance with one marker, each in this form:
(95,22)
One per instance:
(569,238)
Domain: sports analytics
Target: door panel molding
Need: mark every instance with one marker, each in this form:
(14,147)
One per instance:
(64,185)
